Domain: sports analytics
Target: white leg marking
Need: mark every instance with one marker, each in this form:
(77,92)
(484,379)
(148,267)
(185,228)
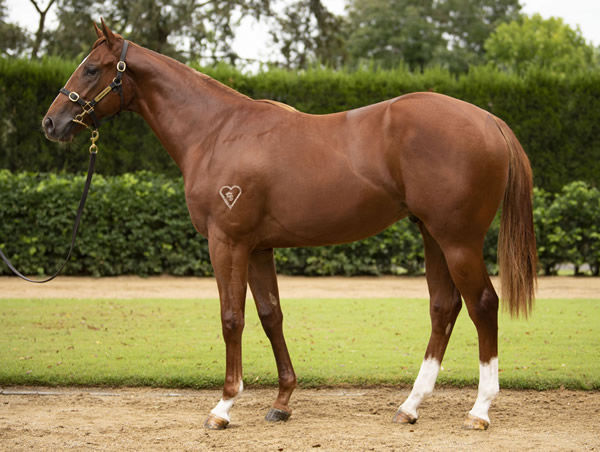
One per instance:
(273,299)
(423,386)
(224,405)
(222,409)
(488,388)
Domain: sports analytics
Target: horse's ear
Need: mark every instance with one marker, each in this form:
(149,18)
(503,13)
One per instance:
(98,31)
(109,35)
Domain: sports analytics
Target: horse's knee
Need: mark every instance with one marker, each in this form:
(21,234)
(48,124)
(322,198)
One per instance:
(232,323)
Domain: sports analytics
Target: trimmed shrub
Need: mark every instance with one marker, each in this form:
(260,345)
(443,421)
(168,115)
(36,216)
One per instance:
(574,226)
(132,224)
(138,223)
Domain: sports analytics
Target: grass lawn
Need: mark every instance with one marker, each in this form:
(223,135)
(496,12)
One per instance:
(177,343)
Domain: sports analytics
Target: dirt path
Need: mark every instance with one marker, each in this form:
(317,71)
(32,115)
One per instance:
(290,287)
(333,419)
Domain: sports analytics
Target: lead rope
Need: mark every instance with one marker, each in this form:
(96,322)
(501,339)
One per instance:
(86,188)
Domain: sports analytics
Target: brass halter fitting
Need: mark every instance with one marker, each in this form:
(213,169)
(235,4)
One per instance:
(93,139)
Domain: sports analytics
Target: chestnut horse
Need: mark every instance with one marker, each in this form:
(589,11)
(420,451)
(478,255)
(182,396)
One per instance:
(260,175)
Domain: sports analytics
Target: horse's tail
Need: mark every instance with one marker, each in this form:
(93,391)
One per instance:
(517,254)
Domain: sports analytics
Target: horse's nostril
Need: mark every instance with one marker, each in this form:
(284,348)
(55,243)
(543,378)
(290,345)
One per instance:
(48,125)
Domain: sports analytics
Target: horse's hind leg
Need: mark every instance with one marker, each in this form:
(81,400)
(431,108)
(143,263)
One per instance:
(468,271)
(263,283)
(444,306)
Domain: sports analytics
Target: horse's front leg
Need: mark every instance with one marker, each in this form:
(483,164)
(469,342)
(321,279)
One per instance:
(263,283)
(230,263)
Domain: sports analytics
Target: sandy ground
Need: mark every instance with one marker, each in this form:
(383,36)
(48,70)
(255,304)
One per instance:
(124,287)
(333,419)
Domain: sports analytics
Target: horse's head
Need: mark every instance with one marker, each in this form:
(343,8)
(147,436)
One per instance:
(78,103)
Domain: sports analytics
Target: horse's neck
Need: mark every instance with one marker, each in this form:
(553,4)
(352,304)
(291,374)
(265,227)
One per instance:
(182,106)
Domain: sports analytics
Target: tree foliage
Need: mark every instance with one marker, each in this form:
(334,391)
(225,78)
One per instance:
(454,34)
(308,33)
(13,39)
(391,32)
(543,44)
(191,30)
(425,32)
(183,29)
(39,34)
(466,25)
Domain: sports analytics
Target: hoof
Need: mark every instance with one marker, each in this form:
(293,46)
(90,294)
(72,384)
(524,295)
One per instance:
(475,423)
(277,415)
(404,418)
(215,422)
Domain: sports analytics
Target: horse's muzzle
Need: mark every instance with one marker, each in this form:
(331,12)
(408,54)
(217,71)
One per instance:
(58,128)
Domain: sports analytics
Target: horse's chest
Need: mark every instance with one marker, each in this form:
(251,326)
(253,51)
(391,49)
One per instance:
(196,200)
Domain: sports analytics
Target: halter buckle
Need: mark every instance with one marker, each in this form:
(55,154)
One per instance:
(121,66)
(73,96)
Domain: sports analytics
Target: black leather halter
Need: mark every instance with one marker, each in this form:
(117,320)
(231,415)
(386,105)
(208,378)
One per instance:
(88,106)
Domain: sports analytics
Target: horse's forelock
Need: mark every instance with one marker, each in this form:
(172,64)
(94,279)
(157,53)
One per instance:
(98,42)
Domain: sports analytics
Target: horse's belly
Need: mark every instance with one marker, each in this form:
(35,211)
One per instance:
(331,215)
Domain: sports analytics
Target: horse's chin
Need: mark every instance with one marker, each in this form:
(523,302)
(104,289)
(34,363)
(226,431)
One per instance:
(61,139)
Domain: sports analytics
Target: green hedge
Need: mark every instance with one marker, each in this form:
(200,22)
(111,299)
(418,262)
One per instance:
(132,224)
(139,224)
(568,227)
(27,88)
(557,118)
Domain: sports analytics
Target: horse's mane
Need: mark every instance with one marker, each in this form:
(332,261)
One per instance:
(277,103)
(211,80)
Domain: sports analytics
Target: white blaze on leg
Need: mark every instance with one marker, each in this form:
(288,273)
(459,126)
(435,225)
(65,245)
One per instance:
(423,386)
(488,388)
(224,405)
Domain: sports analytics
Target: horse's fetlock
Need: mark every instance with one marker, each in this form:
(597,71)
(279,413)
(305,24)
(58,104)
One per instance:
(232,388)
(288,381)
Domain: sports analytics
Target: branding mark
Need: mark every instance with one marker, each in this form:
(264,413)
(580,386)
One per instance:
(230,194)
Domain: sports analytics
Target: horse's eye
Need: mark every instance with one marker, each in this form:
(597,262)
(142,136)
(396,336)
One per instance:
(91,71)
